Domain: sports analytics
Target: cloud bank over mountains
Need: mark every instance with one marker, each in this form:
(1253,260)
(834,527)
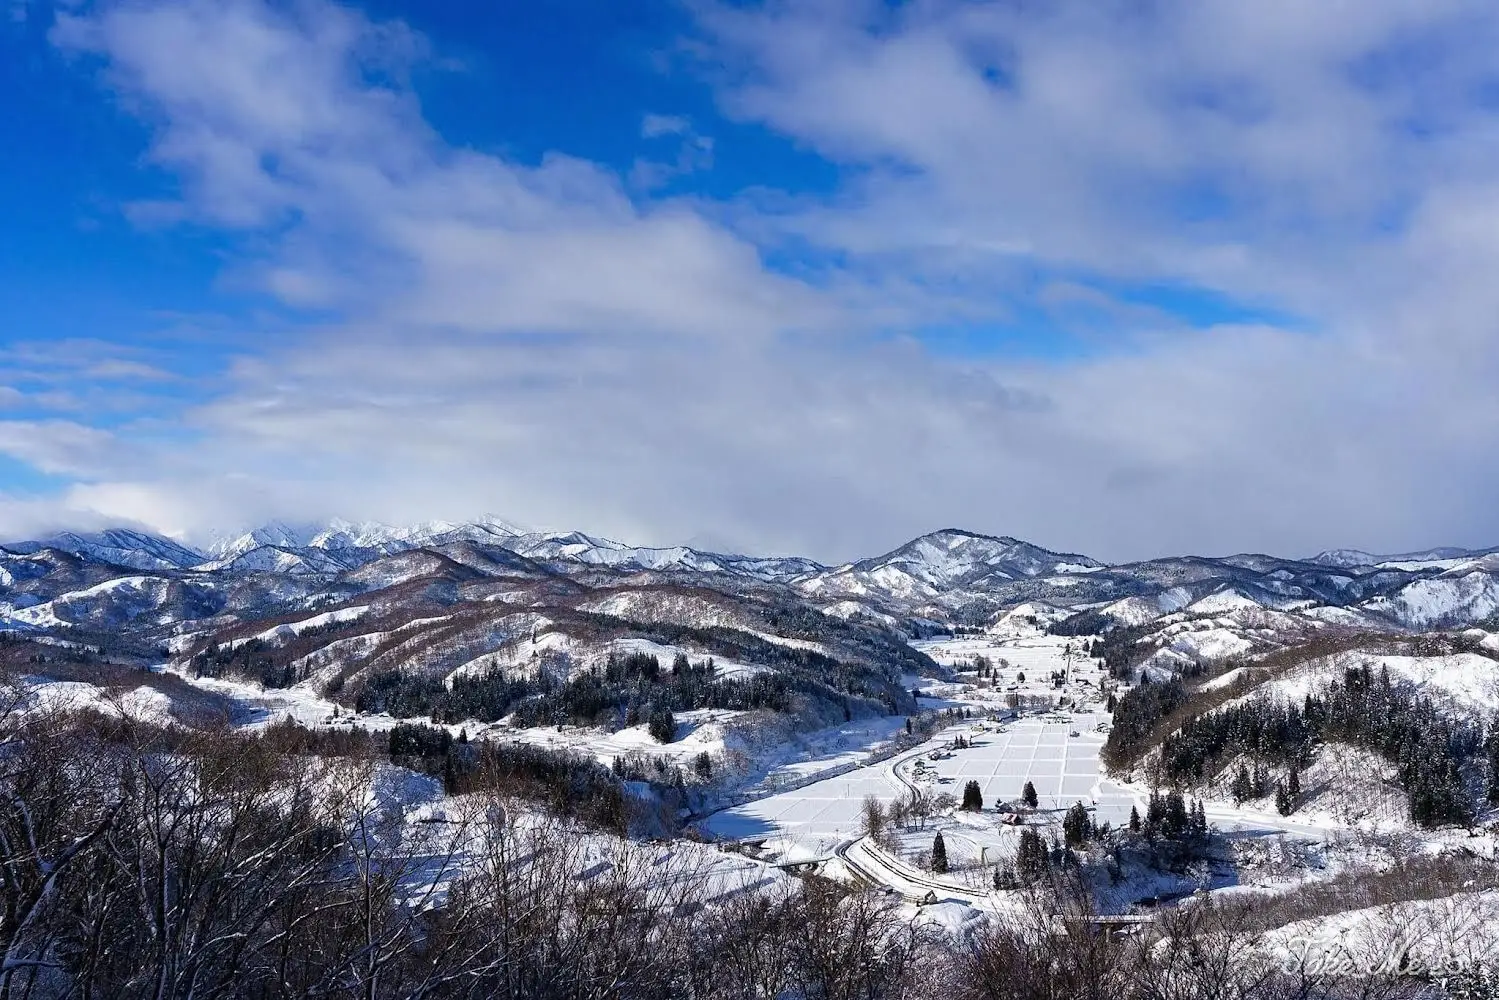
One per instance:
(1192,277)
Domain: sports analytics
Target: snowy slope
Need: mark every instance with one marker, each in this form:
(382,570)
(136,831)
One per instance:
(944,561)
(120,546)
(278,559)
(227,547)
(1466,593)
(385,538)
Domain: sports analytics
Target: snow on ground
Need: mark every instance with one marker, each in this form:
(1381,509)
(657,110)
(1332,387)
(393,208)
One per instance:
(1133,611)
(1025,649)
(1471,596)
(1466,678)
(1223,680)
(1468,681)
(1019,650)
(142,703)
(835,769)
(666,654)
(450,832)
(1346,787)
(752,753)
(698,731)
(835,749)
(1340,616)
(290,630)
(853,609)
(1222,603)
(1211,644)
(1064,768)
(257,706)
(1449,934)
(522,654)
(811,821)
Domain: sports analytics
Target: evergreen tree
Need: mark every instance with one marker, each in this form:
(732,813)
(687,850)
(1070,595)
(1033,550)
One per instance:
(1293,785)
(1176,823)
(939,855)
(703,765)
(1199,825)
(1028,796)
(1031,858)
(1243,786)
(1282,799)
(1076,825)
(662,725)
(1134,819)
(973,797)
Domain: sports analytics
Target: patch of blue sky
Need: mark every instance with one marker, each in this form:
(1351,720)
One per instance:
(21,479)
(581,77)
(1070,318)
(73,266)
(1201,307)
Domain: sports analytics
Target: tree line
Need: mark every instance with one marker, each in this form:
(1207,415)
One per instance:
(623,691)
(1428,748)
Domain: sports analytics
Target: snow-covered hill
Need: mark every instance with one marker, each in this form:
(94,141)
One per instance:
(121,546)
(152,590)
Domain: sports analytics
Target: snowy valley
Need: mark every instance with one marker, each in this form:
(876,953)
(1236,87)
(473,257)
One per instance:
(972,733)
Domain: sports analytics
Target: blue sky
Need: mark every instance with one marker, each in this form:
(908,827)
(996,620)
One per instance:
(580,77)
(790,277)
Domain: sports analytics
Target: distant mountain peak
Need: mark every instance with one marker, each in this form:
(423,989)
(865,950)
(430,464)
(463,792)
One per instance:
(947,560)
(1354,558)
(1344,558)
(274,533)
(128,547)
(976,547)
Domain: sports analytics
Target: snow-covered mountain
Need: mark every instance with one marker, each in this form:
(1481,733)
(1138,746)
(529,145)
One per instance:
(946,577)
(121,546)
(281,559)
(374,536)
(278,534)
(576,547)
(1357,559)
(943,562)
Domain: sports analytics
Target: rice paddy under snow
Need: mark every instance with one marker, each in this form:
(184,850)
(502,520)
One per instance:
(811,821)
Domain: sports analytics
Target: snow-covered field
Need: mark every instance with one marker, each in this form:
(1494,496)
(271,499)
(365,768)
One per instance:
(1044,751)
(811,821)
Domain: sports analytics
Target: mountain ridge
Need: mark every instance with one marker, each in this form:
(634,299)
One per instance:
(950,575)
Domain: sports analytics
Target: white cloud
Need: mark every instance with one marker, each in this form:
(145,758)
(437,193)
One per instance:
(59,447)
(530,339)
(653,126)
